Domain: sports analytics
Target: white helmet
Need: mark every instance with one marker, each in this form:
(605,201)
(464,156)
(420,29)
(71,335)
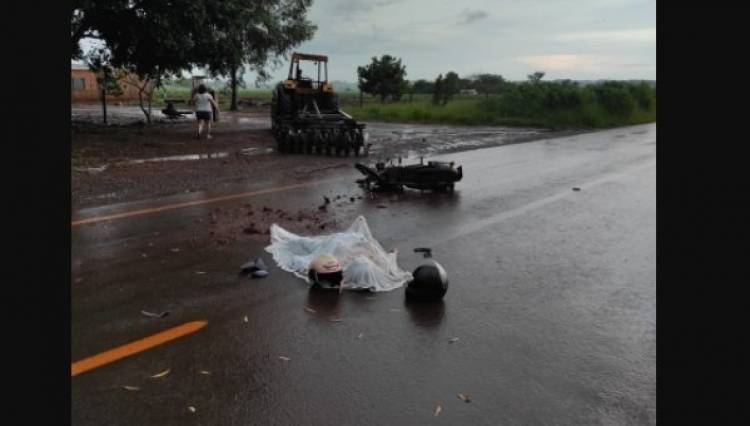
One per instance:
(325,271)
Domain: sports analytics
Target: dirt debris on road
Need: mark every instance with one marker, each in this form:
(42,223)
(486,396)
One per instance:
(113,164)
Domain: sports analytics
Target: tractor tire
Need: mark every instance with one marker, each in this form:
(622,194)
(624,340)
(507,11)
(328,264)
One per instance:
(310,140)
(282,102)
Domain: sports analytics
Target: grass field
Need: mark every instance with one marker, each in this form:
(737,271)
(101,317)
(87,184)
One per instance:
(475,111)
(526,107)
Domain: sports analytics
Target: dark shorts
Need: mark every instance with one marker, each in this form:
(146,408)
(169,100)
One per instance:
(203,115)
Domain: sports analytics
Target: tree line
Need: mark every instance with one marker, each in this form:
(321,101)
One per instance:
(385,77)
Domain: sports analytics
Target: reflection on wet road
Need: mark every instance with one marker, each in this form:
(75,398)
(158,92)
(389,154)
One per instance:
(549,317)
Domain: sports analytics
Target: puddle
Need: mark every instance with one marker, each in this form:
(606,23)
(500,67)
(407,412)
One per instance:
(110,195)
(256,151)
(191,157)
(92,170)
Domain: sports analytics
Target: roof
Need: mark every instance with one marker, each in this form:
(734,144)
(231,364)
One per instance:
(309,57)
(75,66)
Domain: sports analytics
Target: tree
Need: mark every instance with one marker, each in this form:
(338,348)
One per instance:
(450,86)
(423,86)
(155,39)
(249,34)
(437,93)
(107,79)
(147,39)
(488,84)
(536,77)
(383,77)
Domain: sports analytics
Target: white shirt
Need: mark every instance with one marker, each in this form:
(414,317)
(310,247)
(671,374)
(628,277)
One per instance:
(203,101)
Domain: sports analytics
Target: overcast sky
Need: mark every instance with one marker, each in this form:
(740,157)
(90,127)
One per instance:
(575,39)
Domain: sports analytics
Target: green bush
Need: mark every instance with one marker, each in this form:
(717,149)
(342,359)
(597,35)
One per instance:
(615,98)
(563,96)
(643,95)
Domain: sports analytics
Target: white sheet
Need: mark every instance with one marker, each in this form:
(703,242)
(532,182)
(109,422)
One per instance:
(366,265)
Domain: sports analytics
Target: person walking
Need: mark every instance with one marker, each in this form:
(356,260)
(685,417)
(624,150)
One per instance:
(204,102)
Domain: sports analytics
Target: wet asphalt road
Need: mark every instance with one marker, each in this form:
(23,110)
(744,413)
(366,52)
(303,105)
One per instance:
(552,299)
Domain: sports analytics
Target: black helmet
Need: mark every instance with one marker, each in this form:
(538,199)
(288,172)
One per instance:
(430,283)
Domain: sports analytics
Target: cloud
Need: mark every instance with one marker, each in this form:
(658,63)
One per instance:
(647,35)
(352,7)
(468,16)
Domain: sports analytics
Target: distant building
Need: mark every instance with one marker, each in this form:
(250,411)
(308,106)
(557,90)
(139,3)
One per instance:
(84,87)
(471,92)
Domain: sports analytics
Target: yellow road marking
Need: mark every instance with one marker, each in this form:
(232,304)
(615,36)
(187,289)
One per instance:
(133,348)
(196,203)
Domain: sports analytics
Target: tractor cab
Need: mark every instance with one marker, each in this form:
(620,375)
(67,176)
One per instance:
(300,81)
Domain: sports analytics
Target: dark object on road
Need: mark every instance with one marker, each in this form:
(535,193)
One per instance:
(153,315)
(325,273)
(305,114)
(435,175)
(425,250)
(171,112)
(576,189)
(430,283)
(256,268)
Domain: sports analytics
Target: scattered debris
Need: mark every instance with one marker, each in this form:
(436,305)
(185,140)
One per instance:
(175,250)
(144,255)
(191,409)
(453,340)
(335,319)
(326,200)
(359,336)
(245,319)
(352,199)
(256,268)
(131,388)
(438,409)
(426,251)
(464,397)
(200,272)
(205,372)
(382,206)
(576,189)
(162,374)
(283,358)
(311,310)
(155,315)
